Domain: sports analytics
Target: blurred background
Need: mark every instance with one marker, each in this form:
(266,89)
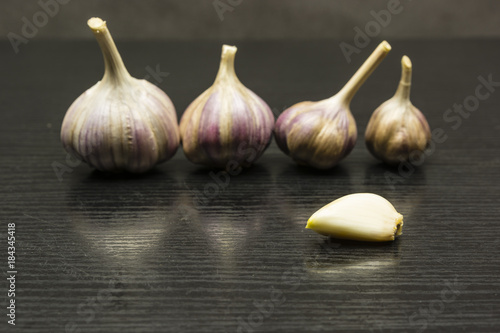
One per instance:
(254,19)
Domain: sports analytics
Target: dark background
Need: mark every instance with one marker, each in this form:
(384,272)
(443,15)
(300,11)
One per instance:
(155,253)
(258,19)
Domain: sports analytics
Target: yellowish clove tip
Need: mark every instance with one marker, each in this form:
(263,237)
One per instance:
(96,23)
(399,225)
(406,62)
(309,224)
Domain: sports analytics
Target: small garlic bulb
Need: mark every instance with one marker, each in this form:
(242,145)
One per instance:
(121,123)
(228,125)
(397,128)
(360,216)
(320,134)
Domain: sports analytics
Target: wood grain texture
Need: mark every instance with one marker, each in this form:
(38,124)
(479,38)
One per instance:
(156,253)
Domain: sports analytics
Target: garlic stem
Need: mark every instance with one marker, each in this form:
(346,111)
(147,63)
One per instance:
(114,69)
(226,67)
(357,80)
(404,87)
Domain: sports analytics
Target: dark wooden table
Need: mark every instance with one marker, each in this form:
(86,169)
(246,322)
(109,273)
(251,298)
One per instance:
(156,253)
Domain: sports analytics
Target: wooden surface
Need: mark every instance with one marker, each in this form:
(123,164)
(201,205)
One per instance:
(153,253)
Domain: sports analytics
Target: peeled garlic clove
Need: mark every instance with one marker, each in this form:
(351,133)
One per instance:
(228,125)
(398,129)
(361,216)
(320,134)
(121,123)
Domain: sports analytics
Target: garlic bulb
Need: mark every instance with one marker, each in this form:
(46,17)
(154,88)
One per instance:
(121,123)
(320,134)
(228,125)
(360,216)
(397,129)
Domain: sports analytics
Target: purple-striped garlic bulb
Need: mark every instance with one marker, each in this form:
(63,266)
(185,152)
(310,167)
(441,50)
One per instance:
(320,134)
(120,124)
(228,126)
(397,130)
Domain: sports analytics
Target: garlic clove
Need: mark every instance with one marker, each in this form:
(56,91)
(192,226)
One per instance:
(396,128)
(121,124)
(228,125)
(320,134)
(361,216)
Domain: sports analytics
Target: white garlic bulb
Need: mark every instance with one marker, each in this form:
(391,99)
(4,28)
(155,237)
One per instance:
(320,134)
(228,125)
(397,129)
(121,123)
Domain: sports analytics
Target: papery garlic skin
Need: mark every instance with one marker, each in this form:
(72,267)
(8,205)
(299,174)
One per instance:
(133,133)
(397,129)
(228,124)
(361,216)
(121,124)
(320,134)
(317,134)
